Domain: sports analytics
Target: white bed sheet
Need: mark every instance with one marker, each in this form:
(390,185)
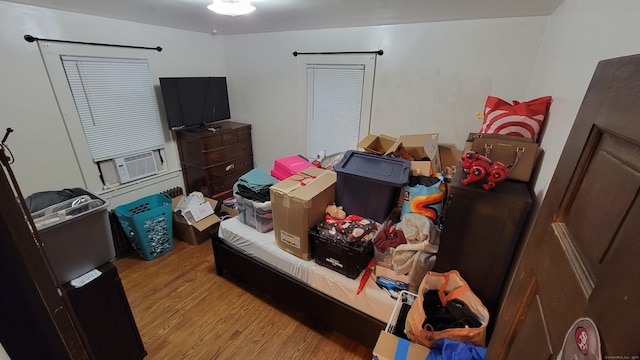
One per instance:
(372,300)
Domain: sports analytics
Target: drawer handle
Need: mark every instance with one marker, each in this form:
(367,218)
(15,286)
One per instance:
(230,167)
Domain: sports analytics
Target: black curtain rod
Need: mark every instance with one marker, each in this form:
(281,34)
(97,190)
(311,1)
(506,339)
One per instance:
(30,38)
(379,52)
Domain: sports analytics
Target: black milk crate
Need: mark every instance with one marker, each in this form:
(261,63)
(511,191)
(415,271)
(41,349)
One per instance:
(349,260)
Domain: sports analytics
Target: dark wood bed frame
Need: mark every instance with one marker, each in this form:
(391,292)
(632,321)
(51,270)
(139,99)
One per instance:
(316,306)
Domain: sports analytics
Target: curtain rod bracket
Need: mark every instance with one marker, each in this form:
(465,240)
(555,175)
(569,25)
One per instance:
(30,38)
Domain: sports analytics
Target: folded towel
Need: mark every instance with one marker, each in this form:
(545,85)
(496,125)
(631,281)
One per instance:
(256,179)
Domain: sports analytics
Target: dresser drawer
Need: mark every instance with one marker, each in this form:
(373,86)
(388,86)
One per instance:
(225,153)
(192,153)
(214,141)
(240,166)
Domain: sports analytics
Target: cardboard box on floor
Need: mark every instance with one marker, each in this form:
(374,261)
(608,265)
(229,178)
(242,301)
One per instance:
(299,203)
(391,347)
(199,231)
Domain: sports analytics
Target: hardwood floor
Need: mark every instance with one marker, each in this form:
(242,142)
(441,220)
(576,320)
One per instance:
(183,310)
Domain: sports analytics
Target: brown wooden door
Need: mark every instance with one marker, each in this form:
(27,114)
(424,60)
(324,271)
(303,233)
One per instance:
(582,258)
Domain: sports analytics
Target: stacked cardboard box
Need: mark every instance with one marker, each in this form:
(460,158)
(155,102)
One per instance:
(299,203)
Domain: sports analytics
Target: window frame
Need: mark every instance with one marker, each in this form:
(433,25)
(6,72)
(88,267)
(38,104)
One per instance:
(369,63)
(51,54)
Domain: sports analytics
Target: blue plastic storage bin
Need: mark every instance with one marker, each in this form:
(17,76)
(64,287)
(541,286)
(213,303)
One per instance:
(369,185)
(148,225)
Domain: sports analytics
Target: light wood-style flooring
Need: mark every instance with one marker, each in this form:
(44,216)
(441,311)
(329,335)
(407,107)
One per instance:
(183,310)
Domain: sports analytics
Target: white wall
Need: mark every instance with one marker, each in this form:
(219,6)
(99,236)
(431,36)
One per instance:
(433,77)
(579,34)
(44,157)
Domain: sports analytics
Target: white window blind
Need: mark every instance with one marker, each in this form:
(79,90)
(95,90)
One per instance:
(334,107)
(116,104)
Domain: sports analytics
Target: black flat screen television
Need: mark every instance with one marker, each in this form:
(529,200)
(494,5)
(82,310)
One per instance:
(195,102)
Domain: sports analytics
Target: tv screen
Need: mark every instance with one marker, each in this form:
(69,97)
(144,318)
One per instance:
(192,102)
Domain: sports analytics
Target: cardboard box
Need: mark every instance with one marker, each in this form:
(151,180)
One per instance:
(377,144)
(391,347)
(419,146)
(298,203)
(193,209)
(197,232)
(449,156)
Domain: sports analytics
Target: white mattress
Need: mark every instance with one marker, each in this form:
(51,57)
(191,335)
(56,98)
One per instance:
(372,300)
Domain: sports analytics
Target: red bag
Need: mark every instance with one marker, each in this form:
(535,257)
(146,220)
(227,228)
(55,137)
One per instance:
(523,119)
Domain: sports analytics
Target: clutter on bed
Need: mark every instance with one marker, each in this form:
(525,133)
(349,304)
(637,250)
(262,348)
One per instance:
(287,166)
(422,151)
(424,195)
(369,185)
(299,203)
(405,250)
(378,144)
(343,242)
(351,229)
(253,200)
(258,215)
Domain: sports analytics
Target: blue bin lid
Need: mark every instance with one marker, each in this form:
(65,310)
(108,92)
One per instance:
(385,169)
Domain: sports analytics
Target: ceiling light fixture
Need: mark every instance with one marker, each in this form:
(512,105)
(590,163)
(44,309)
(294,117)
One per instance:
(231,7)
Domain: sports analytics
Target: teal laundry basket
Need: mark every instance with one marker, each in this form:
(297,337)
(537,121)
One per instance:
(148,225)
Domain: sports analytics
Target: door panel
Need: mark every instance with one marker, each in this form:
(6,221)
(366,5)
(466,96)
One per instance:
(583,250)
(531,342)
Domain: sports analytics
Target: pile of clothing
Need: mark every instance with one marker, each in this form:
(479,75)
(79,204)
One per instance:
(253,200)
(408,247)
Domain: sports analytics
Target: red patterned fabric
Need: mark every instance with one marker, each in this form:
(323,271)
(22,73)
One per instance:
(522,119)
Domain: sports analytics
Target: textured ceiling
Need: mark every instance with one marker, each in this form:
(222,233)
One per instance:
(285,15)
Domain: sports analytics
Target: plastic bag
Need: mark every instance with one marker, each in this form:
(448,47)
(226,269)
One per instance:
(424,195)
(447,349)
(450,285)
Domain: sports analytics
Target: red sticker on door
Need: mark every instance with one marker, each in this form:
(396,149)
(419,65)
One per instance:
(582,340)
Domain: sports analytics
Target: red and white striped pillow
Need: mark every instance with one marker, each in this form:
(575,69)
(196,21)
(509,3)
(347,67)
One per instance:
(522,119)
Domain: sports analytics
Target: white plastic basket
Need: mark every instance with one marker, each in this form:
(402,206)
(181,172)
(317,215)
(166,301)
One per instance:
(404,297)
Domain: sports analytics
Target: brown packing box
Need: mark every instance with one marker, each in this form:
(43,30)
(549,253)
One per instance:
(389,345)
(198,232)
(419,146)
(297,208)
(449,156)
(377,144)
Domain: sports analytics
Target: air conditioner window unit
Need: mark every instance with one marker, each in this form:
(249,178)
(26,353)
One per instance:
(134,167)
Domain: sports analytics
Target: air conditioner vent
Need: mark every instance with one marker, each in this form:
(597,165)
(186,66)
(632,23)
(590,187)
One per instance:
(136,166)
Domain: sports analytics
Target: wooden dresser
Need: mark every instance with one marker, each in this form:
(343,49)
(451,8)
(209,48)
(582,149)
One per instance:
(481,232)
(212,161)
